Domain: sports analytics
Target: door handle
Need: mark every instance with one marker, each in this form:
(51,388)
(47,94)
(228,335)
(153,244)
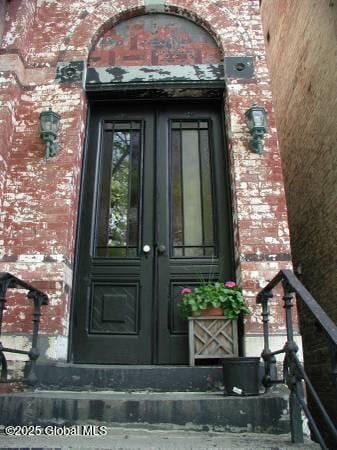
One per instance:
(146,249)
(161,249)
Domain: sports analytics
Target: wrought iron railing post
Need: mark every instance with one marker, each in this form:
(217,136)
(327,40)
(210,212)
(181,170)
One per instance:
(3,364)
(268,358)
(296,427)
(292,378)
(288,304)
(4,284)
(34,351)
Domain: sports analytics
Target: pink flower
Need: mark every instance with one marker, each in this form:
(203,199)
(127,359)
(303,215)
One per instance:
(230,284)
(186,291)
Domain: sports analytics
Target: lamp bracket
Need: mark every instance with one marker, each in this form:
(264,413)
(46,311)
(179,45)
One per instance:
(48,138)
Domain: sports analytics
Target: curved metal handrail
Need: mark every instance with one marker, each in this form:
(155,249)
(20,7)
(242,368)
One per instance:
(328,326)
(9,281)
(293,371)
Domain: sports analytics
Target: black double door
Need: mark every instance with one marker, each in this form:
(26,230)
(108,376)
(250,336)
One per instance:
(154,218)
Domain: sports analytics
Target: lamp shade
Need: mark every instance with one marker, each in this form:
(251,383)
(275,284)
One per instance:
(49,121)
(256,117)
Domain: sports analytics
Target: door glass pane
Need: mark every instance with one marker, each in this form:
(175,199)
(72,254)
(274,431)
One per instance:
(206,193)
(118,212)
(191,192)
(177,191)
(119,200)
(192,216)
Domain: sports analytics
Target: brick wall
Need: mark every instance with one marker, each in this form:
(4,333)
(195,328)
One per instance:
(19,25)
(301,46)
(39,211)
(9,95)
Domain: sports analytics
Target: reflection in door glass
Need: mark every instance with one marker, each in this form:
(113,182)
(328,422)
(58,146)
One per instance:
(192,220)
(120,193)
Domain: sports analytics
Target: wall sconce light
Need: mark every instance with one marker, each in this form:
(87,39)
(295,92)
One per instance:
(49,126)
(256,118)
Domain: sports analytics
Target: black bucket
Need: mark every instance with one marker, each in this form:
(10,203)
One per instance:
(241,376)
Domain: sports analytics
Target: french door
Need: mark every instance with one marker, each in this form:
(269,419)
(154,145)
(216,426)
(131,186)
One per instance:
(154,218)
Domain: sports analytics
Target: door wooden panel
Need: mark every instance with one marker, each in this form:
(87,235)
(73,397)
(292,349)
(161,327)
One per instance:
(114,308)
(155,176)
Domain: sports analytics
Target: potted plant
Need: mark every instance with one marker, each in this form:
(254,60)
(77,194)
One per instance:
(240,374)
(211,336)
(213,298)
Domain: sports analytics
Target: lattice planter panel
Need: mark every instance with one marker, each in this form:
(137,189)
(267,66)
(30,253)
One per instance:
(212,337)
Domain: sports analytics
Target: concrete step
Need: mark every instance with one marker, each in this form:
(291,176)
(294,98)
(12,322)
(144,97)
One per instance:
(187,410)
(79,377)
(140,439)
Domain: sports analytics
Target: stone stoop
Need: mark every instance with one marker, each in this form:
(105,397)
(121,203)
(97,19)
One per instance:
(164,410)
(149,396)
(80,377)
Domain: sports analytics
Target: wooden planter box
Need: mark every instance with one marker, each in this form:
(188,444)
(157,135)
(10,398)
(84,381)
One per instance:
(212,337)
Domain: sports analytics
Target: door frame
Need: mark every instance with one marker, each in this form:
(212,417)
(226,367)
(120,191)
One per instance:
(126,97)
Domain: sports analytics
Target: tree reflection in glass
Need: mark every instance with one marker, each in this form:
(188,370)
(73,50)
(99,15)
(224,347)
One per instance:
(119,197)
(125,189)
(118,217)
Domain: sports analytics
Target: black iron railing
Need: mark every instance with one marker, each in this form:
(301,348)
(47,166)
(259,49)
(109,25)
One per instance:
(8,281)
(294,374)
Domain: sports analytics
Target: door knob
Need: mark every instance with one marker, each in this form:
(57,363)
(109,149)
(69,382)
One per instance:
(161,249)
(146,248)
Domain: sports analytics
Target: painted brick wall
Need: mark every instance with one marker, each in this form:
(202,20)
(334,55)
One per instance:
(301,48)
(40,200)
(9,93)
(19,25)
